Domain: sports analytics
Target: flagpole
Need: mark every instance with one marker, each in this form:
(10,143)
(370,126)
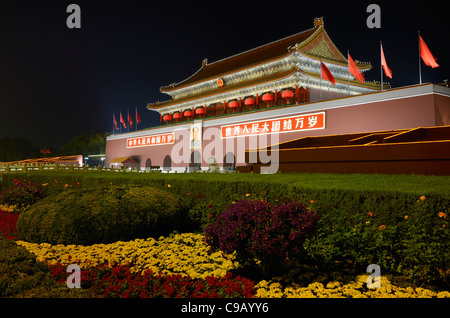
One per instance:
(320,96)
(348,74)
(137,123)
(420,66)
(114,131)
(128,116)
(381,64)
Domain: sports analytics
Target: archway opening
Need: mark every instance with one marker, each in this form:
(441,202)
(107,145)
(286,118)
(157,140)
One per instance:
(195,162)
(148,164)
(167,163)
(229,162)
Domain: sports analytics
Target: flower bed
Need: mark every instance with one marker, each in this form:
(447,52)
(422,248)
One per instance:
(183,254)
(187,268)
(120,281)
(336,289)
(22,194)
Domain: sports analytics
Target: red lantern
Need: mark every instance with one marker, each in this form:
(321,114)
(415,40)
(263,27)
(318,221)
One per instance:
(167,117)
(200,111)
(188,113)
(249,101)
(233,104)
(267,97)
(177,115)
(287,94)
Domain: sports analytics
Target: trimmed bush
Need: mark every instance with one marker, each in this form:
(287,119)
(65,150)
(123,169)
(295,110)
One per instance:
(101,214)
(256,230)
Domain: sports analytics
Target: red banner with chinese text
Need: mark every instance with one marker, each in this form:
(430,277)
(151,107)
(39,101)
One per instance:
(277,125)
(155,140)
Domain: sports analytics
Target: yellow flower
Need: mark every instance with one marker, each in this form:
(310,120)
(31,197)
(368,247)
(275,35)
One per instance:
(444,294)
(8,208)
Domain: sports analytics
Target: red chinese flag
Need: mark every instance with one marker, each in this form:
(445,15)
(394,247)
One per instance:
(129,120)
(115,122)
(386,69)
(326,74)
(138,118)
(353,69)
(426,55)
(122,120)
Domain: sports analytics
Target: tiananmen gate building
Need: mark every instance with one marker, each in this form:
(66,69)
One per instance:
(270,107)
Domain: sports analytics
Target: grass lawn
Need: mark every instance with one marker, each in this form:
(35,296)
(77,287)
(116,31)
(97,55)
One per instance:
(418,184)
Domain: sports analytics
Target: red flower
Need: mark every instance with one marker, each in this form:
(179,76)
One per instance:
(199,195)
(8,222)
(209,206)
(118,281)
(371,214)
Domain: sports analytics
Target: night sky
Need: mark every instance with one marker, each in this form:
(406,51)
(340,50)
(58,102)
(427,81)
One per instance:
(56,82)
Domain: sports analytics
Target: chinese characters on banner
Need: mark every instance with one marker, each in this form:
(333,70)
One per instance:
(278,125)
(155,140)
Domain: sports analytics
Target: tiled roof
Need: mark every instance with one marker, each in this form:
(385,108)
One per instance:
(243,60)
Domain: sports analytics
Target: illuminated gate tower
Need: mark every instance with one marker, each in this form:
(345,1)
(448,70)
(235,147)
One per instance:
(275,91)
(283,72)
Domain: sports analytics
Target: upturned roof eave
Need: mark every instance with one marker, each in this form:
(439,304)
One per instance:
(225,89)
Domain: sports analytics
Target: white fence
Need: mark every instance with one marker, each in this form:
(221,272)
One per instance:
(62,167)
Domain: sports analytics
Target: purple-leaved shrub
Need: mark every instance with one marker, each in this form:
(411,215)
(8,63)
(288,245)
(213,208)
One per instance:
(258,230)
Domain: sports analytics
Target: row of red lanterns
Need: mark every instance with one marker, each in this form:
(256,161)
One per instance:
(268,97)
(186,113)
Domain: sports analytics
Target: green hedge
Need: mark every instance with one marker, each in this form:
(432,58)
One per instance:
(22,276)
(403,234)
(101,214)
